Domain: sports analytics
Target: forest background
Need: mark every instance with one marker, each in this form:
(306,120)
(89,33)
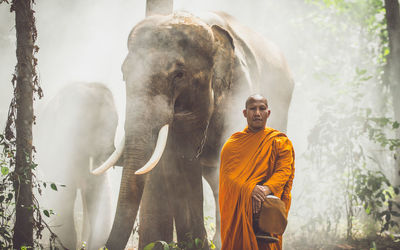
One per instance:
(342,119)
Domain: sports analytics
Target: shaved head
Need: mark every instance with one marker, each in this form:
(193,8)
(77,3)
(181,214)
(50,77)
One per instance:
(254,98)
(256,112)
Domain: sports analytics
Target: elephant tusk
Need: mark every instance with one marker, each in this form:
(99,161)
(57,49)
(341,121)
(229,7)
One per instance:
(111,160)
(91,163)
(158,151)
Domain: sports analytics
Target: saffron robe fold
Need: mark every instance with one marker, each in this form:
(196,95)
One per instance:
(249,159)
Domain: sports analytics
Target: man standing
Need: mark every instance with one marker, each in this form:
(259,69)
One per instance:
(254,163)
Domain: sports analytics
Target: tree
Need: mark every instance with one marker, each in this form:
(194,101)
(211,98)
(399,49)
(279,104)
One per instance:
(25,79)
(393,62)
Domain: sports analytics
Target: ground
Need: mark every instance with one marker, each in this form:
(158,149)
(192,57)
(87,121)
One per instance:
(378,242)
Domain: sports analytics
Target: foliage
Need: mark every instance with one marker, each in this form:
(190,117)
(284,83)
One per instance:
(369,18)
(190,244)
(6,199)
(376,133)
(351,143)
(353,140)
(374,191)
(7,203)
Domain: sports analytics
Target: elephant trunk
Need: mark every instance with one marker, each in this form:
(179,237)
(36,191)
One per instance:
(137,138)
(139,144)
(130,194)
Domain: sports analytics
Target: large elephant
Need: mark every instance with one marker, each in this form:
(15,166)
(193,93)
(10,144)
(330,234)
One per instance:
(77,129)
(194,75)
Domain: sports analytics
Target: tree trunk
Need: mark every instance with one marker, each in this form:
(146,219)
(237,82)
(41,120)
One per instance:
(23,229)
(159,7)
(393,26)
(393,64)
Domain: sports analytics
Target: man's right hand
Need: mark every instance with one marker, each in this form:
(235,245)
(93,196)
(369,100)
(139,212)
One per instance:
(258,197)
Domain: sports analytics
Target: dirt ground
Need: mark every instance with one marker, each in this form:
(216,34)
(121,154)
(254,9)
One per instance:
(378,243)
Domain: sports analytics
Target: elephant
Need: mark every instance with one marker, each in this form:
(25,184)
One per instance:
(76,129)
(187,77)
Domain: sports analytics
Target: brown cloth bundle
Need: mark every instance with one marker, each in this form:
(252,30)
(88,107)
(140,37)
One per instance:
(273,218)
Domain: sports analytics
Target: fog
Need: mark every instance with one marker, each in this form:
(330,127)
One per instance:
(86,41)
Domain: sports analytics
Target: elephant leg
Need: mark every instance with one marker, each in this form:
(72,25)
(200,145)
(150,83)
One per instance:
(211,176)
(62,203)
(84,237)
(209,160)
(96,195)
(187,197)
(155,217)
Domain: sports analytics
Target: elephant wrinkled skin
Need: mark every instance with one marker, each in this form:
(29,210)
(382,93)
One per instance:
(77,126)
(193,74)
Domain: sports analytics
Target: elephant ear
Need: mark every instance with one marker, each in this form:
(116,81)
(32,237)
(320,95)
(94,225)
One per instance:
(223,62)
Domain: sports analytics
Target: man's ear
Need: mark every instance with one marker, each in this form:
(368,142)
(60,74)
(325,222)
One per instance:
(269,113)
(245,112)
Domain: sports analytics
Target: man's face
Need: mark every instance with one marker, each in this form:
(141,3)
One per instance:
(257,113)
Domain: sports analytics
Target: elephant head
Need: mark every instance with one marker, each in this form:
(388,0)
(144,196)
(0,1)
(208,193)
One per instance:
(173,77)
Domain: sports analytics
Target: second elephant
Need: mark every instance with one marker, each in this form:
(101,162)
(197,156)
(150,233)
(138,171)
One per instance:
(76,130)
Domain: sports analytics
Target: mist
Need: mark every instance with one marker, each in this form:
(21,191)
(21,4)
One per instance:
(86,41)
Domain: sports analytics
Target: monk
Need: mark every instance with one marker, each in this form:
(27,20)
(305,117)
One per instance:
(255,162)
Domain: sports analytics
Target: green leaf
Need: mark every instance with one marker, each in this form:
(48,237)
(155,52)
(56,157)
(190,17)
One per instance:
(4,170)
(383,198)
(212,246)
(386,52)
(164,244)
(362,72)
(366,78)
(2,198)
(385,227)
(388,216)
(44,184)
(395,213)
(395,125)
(149,246)
(33,165)
(198,242)
(53,186)
(46,213)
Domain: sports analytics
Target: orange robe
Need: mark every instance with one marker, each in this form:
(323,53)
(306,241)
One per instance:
(248,159)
